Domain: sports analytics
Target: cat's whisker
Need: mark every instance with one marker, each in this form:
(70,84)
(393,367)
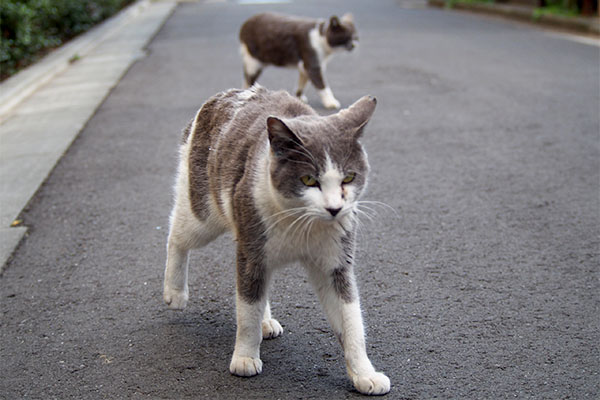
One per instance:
(361,212)
(305,236)
(287,214)
(269,226)
(368,211)
(380,204)
(360,226)
(299,219)
(289,210)
(365,208)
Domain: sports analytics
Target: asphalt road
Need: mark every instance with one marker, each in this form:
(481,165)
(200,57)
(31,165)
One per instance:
(483,283)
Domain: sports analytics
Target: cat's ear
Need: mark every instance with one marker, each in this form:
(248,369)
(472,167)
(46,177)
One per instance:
(334,22)
(281,137)
(355,117)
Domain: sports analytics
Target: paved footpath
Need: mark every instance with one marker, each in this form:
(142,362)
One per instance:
(43,108)
(483,284)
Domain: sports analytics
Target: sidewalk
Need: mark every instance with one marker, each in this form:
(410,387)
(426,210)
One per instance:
(585,25)
(44,107)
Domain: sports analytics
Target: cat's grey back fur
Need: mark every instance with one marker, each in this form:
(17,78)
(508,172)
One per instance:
(226,137)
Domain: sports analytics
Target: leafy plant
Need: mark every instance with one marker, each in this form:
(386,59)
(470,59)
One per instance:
(29,28)
(565,8)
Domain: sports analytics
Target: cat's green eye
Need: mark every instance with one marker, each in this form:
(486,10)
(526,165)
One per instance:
(308,180)
(349,178)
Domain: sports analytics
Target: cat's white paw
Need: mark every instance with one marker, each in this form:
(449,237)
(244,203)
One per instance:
(175,299)
(245,366)
(271,329)
(375,383)
(327,99)
(331,104)
(303,98)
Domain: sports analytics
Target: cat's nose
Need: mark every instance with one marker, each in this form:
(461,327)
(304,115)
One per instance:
(333,211)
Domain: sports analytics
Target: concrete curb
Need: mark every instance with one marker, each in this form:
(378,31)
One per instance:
(586,25)
(44,107)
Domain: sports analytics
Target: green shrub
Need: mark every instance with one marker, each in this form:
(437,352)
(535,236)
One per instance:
(565,8)
(30,27)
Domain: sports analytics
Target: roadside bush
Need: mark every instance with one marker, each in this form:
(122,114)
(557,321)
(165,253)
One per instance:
(30,27)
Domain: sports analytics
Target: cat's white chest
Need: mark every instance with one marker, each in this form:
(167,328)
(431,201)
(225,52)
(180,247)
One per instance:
(320,46)
(306,241)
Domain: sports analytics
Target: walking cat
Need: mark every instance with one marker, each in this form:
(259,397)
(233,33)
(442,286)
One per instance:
(286,41)
(286,182)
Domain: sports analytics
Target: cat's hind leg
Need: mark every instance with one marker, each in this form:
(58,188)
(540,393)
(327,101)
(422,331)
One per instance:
(186,232)
(302,80)
(271,328)
(252,67)
(175,285)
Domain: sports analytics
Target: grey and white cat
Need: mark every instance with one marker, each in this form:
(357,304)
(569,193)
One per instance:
(286,182)
(305,43)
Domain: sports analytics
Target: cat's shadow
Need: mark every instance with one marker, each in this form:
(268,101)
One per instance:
(197,343)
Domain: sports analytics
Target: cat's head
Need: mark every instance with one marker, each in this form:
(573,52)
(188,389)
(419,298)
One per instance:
(317,163)
(341,33)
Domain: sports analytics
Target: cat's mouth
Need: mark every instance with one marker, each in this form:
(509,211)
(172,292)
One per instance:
(351,44)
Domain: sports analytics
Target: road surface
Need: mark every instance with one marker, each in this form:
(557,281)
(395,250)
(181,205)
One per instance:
(481,283)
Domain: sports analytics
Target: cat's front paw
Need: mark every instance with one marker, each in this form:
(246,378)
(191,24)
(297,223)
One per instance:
(375,383)
(271,329)
(175,299)
(303,98)
(245,366)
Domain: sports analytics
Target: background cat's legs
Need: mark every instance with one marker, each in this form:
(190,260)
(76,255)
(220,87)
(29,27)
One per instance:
(338,294)
(315,73)
(327,98)
(270,327)
(252,67)
(302,80)
(251,77)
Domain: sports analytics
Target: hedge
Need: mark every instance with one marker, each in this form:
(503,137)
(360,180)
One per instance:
(30,28)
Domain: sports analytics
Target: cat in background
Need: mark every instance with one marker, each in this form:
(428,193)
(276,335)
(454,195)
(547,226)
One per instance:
(286,182)
(287,41)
